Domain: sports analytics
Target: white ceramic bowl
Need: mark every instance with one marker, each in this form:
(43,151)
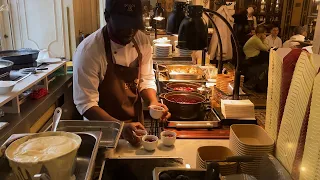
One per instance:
(149,146)
(6,86)
(156,112)
(57,168)
(168,141)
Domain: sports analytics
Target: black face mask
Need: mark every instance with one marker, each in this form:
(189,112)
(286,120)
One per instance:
(122,36)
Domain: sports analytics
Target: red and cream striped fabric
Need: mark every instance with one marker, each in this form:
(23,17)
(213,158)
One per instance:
(289,63)
(295,110)
(274,89)
(310,164)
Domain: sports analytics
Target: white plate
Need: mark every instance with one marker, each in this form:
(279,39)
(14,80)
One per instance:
(49,60)
(162,53)
(163,45)
(162,50)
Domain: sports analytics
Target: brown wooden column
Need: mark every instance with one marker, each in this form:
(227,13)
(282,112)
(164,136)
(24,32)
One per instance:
(316,39)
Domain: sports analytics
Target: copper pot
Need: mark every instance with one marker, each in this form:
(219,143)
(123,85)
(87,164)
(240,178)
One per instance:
(183,105)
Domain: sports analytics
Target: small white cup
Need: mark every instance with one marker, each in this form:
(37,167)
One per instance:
(156,112)
(168,138)
(148,144)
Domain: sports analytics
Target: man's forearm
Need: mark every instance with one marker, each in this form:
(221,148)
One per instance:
(149,95)
(96,113)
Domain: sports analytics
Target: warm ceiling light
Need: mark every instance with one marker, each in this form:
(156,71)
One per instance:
(158,18)
(158,12)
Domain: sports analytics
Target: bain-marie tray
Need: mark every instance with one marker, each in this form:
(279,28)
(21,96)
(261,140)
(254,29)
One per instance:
(111,131)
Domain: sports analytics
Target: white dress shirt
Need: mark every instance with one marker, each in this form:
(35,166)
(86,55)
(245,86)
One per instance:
(274,42)
(292,42)
(90,66)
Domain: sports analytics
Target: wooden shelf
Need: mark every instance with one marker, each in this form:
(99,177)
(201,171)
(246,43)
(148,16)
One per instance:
(32,110)
(10,102)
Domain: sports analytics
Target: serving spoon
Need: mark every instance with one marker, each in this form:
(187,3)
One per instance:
(56,118)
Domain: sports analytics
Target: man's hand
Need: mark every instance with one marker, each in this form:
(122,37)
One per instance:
(127,132)
(166,114)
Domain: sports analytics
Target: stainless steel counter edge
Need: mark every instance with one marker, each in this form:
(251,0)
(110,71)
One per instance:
(32,110)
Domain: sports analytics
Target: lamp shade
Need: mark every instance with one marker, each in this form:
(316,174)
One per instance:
(193,31)
(158,12)
(175,17)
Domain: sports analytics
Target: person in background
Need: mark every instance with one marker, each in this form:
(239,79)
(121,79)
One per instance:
(245,24)
(255,67)
(252,20)
(273,40)
(256,48)
(300,34)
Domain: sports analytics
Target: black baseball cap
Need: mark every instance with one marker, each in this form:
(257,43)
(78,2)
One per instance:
(125,14)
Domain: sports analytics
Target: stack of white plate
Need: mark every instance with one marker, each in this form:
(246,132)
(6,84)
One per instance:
(163,40)
(249,139)
(162,50)
(216,153)
(183,52)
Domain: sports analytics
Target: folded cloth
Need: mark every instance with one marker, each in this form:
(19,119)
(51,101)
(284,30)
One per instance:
(37,94)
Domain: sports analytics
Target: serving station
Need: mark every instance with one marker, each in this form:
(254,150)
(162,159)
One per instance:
(213,133)
(103,155)
(193,94)
(177,149)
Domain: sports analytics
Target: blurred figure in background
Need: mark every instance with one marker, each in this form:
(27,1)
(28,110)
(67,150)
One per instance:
(252,20)
(255,67)
(273,40)
(246,23)
(256,48)
(300,34)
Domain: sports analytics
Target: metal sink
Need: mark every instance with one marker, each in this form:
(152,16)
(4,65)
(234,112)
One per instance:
(192,174)
(136,169)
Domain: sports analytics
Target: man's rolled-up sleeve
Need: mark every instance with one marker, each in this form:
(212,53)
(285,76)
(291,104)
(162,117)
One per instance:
(147,74)
(86,72)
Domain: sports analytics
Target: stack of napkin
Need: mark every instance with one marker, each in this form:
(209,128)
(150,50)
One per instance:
(238,109)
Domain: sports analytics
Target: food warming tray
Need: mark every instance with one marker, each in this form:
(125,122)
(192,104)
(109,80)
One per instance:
(185,72)
(85,161)
(111,131)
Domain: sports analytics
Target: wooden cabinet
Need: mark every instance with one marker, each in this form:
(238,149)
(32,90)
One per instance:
(86,17)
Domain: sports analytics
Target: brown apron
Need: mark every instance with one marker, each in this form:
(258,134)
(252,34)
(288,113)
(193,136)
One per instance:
(119,91)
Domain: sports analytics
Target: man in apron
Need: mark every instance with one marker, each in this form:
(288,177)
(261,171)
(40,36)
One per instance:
(113,70)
